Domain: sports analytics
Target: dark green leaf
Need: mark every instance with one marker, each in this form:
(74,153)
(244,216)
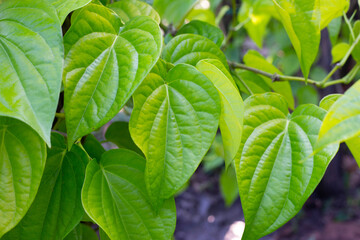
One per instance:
(82,232)
(93,147)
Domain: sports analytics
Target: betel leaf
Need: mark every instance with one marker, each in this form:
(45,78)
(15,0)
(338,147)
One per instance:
(190,49)
(228,185)
(255,60)
(330,9)
(118,133)
(254,82)
(22,161)
(64,7)
(57,207)
(174,121)
(82,232)
(114,196)
(256,15)
(205,15)
(277,170)
(104,66)
(204,29)
(342,120)
(31,54)
(232,106)
(128,9)
(339,51)
(301,20)
(352,143)
(173,11)
(334,28)
(93,147)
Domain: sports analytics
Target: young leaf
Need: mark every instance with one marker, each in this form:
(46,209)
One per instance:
(339,51)
(277,170)
(352,143)
(173,11)
(255,60)
(228,186)
(232,106)
(301,20)
(342,120)
(57,207)
(204,15)
(114,196)
(330,9)
(204,29)
(64,7)
(31,54)
(105,65)
(174,121)
(118,133)
(128,9)
(22,161)
(190,49)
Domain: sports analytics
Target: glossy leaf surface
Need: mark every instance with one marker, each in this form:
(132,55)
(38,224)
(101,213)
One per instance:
(31,53)
(204,29)
(114,196)
(64,7)
(22,161)
(190,49)
(301,20)
(174,121)
(277,171)
(57,207)
(104,66)
(232,106)
(255,60)
(128,9)
(342,120)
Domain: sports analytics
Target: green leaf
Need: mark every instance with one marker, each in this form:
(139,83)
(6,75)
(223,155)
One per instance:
(356,52)
(173,11)
(93,147)
(128,9)
(277,170)
(82,232)
(204,29)
(114,196)
(105,65)
(190,49)
(205,15)
(339,51)
(255,60)
(228,186)
(31,54)
(334,28)
(174,121)
(22,161)
(64,7)
(255,82)
(256,15)
(353,143)
(330,9)
(232,106)
(301,20)
(307,95)
(118,133)
(342,120)
(57,207)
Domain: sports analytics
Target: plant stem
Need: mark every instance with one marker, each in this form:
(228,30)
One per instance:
(60,115)
(347,21)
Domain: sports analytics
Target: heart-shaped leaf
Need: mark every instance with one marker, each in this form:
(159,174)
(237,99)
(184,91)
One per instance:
(301,20)
(254,59)
(105,65)
(31,53)
(22,161)
(114,196)
(64,7)
(190,49)
(174,121)
(232,106)
(204,29)
(128,9)
(57,207)
(277,171)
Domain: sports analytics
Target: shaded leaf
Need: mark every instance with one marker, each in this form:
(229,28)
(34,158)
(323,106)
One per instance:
(228,186)
(64,7)
(173,11)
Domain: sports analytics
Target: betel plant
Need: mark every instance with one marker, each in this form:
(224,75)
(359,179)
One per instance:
(55,175)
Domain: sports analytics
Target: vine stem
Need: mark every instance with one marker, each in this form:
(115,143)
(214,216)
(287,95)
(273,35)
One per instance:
(60,115)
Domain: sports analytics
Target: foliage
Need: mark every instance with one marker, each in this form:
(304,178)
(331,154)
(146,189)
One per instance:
(167,86)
